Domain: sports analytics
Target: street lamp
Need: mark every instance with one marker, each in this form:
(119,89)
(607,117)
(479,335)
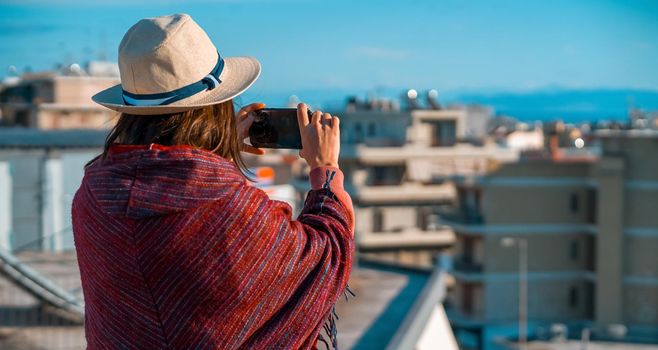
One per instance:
(522,243)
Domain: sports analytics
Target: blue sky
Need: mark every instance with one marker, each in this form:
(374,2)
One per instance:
(368,44)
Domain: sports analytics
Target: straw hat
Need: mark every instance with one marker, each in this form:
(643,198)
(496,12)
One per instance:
(168,65)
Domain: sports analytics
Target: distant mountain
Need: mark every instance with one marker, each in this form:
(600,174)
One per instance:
(570,105)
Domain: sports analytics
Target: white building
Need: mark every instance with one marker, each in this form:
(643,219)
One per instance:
(397,166)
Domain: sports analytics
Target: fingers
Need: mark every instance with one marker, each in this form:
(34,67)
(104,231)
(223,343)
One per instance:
(251,149)
(244,124)
(302,115)
(315,118)
(336,123)
(244,111)
(326,119)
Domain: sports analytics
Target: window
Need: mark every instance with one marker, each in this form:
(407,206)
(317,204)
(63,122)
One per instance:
(358,132)
(377,220)
(574,202)
(378,175)
(22,118)
(467,298)
(574,249)
(467,250)
(591,206)
(371,129)
(573,297)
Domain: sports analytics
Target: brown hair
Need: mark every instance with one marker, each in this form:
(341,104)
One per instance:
(211,128)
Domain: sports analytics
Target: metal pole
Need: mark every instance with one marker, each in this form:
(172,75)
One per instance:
(523,293)
(584,338)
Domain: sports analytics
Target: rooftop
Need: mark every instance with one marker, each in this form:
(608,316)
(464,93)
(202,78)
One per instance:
(629,133)
(592,345)
(385,296)
(36,138)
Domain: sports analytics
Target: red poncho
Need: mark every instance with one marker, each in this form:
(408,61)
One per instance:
(178,251)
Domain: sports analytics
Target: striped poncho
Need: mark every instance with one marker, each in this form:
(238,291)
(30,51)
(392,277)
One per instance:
(178,251)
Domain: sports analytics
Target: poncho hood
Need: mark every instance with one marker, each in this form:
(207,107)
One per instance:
(145,181)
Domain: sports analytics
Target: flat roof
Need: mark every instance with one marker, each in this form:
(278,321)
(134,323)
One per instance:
(385,295)
(591,345)
(631,133)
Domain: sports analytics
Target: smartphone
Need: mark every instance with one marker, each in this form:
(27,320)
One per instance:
(276,128)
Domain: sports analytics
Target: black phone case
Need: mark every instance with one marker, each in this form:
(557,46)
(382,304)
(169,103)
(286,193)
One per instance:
(263,133)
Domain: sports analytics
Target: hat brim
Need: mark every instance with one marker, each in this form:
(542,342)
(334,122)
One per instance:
(238,75)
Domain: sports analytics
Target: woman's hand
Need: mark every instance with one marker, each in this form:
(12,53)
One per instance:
(243,120)
(320,137)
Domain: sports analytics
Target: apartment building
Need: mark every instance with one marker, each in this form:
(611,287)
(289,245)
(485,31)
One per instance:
(397,166)
(57,100)
(588,233)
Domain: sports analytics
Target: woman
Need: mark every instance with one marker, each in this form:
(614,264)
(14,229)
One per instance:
(176,249)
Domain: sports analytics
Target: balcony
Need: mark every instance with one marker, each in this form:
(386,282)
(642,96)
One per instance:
(403,193)
(411,238)
(460,155)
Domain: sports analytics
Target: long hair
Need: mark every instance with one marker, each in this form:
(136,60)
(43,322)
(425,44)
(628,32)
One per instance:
(212,128)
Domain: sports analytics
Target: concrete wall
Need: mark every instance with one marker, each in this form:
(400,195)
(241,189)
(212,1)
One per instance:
(640,207)
(537,193)
(610,252)
(543,169)
(546,253)
(26,170)
(41,186)
(548,300)
(535,204)
(641,257)
(6,210)
(640,305)
(638,153)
